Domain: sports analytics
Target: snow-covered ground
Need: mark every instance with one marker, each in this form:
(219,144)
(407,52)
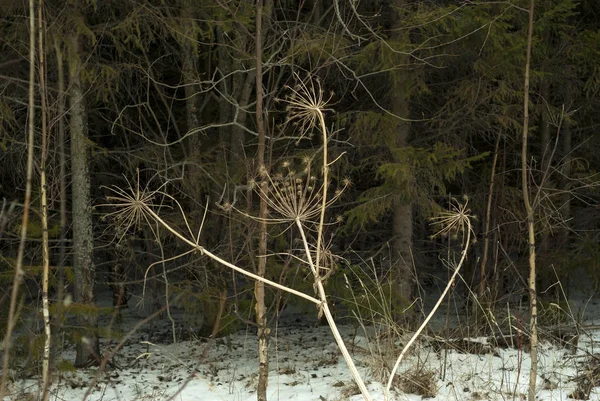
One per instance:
(306,365)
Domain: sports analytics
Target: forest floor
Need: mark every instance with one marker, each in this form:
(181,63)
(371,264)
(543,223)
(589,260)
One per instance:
(306,365)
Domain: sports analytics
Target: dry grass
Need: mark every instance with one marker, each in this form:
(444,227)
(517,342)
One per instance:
(419,381)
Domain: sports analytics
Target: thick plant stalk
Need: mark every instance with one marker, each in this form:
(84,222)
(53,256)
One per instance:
(325,187)
(46,372)
(223,262)
(316,267)
(530,217)
(324,308)
(11,321)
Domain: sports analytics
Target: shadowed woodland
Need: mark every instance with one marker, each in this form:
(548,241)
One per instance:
(222,165)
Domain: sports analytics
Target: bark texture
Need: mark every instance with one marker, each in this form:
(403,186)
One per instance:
(83,235)
(259,286)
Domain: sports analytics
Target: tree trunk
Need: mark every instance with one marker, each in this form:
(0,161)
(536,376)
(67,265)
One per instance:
(225,87)
(62,160)
(83,236)
(237,138)
(402,231)
(402,228)
(317,12)
(259,286)
(533,329)
(545,155)
(19,272)
(567,133)
(192,107)
(487,226)
(62,197)
(46,367)
(565,187)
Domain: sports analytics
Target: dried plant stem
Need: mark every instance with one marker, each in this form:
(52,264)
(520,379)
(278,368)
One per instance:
(324,308)
(223,262)
(325,187)
(11,321)
(430,315)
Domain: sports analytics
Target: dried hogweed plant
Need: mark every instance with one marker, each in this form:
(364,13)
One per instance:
(455,221)
(306,106)
(131,206)
(300,201)
(297,198)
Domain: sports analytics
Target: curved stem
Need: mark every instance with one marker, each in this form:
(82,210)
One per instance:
(226,263)
(330,320)
(429,316)
(325,187)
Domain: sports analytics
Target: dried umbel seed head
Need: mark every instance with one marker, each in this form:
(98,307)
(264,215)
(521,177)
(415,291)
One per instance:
(132,206)
(262,170)
(226,206)
(306,106)
(455,221)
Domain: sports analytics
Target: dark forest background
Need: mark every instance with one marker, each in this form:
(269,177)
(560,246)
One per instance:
(424,103)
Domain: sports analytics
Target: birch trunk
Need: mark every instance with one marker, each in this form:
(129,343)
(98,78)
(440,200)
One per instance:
(46,367)
(530,217)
